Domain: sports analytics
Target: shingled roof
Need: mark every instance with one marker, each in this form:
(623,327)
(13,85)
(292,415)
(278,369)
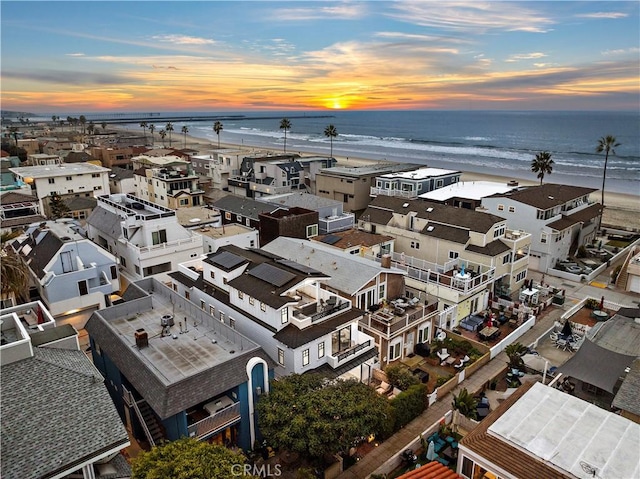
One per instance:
(546,196)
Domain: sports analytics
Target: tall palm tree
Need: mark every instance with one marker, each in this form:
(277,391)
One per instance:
(606,144)
(218,127)
(61,123)
(331,132)
(285,125)
(169,129)
(104,126)
(185,130)
(162,134)
(91,128)
(542,164)
(83,122)
(143,125)
(152,127)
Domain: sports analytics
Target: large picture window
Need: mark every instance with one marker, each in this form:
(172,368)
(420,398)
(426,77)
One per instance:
(305,357)
(341,340)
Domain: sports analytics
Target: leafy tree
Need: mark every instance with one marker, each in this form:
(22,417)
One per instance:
(13,272)
(218,127)
(305,414)
(169,129)
(606,145)
(465,403)
(185,130)
(143,125)
(400,377)
(91,128)
(409,404)
(188,458)
(152,128)
(331,132)
(57,207)
(285,125)
(542,164)
(515,351)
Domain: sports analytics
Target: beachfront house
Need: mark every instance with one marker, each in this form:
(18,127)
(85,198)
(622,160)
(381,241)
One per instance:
(72,275)
(454,256)
(173,370)
(145,237)
(410,184)
(370,286)
(75,179)
(167,181)
(468,194)
(560,218)
(57,417)
(219,164)
(283,306)
(352,185)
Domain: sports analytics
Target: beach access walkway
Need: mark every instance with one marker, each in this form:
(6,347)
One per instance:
(399,441)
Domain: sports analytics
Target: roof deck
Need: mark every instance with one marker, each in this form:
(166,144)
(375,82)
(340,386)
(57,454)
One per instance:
(133,206)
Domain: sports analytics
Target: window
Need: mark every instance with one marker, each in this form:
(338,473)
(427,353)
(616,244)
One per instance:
(95,175)
(184,201)
(202,305)
(312,230)
(499,231)
(543,238)
(251,300)
(439,183)
(321,350)
(263,306)
(187,295)
(221,317)
(82,287)
(280,356)
(240,295)
(232,323)
(415,245)
(97,188)
(453,254)
(123,261)
(67,262)
(212,309)
(158,237)
(52,181)
(467,467)
(114,272)
(500,207)
(212,274)
(423,335)
(521,275)
(394,351)
(506,258)
(137,269)
(227,215)
(305,357)
(68,178)
(239,218)
(382,291)
(284,315)
(248,222)
(512,209)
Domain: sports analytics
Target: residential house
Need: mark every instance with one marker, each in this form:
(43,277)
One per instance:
(114,157)
(560,219)
(220,164)
(63,179)
(540,431)
(282,305)
(167,181)
(468,194)
(145,237)
(73,276)
(43,159)
(628,278)
(30,145)
(53,146)
(294,222)
(453,255)
(410,184)
(121,180)
(627,399)
(358,242)
(78,154)
(331,218)
(57,417)
(18,210)
(241,210)
(79,207)
(352,185)
(175,370)
(7,181)
(369,286)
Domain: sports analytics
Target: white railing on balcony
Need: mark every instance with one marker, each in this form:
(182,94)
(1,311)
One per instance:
(342,357)
(195,240)
(375,191)
(389,324)
(215,422)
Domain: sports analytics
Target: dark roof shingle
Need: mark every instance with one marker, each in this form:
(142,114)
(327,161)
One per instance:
(547,196)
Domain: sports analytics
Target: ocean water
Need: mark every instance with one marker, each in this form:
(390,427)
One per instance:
(492,142)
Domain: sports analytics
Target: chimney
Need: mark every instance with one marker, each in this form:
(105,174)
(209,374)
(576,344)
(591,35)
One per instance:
(142,338)
(385,261)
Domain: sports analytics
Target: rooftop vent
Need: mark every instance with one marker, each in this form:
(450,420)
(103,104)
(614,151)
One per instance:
(167,320)
(429,210)
(429,228)
(142,338)
(405,205)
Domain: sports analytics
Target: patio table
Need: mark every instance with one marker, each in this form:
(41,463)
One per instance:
(600,315)
(488,332)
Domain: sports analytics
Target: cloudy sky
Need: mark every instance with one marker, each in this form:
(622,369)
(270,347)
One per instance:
(229,56)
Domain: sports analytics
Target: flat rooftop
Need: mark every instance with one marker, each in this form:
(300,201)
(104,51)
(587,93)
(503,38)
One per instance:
(301,199)
(197,215)
(225,231)
(420,173)
(571,434)
(473,190)
(367,170)
(63,169)
(132,205)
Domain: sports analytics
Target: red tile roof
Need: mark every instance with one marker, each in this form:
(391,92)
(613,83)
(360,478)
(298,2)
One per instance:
(433,470)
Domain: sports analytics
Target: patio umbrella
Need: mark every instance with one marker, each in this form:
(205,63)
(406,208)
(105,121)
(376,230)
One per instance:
(534,362)
(431,451)
(566,329)
(601,303)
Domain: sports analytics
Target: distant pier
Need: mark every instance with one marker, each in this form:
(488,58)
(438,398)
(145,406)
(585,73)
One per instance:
(124,118)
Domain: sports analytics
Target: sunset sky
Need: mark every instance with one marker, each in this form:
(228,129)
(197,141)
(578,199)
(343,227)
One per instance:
(230,56)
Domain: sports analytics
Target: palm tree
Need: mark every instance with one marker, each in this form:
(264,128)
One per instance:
(14,273)
(185,130)
(606,144)
(542,164)
(285,125)
(465,403)
(83,121)
(162,134)
(143,125)
(104,126)
(169,129)
(515,351)
(61,123)
(152,127)
(91,128)
(218,127)
(331,132)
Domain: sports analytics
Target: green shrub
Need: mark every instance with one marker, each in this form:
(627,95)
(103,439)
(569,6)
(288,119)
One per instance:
(400,377)
(443,379)
(409,404)
(591,303)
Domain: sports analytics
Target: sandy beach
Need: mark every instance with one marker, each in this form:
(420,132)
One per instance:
(622,210)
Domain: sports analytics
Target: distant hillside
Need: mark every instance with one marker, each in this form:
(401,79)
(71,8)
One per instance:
(15,114)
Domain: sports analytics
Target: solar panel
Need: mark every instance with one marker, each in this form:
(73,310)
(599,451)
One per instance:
(272,275)
(299,267)
(331,239)
(227,260)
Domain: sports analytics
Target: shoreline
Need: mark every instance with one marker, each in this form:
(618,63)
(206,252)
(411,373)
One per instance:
(621,209)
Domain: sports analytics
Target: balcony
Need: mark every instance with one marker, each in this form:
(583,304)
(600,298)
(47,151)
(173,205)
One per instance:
(339,358)
(375,191)
(212,417)
(330,224)
(516,239)
(309,310)
(388,324)
(146,252)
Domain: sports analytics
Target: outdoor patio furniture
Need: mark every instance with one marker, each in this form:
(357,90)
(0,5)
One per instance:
(384,388)
(443,354)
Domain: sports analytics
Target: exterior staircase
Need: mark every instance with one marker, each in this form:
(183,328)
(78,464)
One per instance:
(152,427)
(623,275)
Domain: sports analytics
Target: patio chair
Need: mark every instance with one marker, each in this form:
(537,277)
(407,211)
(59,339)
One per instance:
(443,354)
(384,388)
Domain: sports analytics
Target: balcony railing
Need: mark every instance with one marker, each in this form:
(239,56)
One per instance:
(215,422)
(342,357)
(374,191)
(390,324)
